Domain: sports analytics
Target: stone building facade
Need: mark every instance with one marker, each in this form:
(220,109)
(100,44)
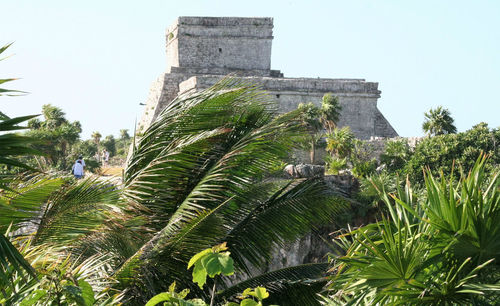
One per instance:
(202,50)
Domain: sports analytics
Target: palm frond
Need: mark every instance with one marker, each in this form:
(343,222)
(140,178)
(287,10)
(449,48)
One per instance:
(76,210)
(283,217)
(194,168)
(297,285)
(23,203)
(11,261)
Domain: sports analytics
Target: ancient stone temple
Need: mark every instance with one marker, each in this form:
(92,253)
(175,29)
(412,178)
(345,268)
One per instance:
(202,50)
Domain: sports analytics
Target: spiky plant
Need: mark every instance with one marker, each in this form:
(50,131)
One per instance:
(440,250)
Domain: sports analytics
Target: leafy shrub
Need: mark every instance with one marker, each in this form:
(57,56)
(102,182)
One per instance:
(335,164)
(340,142)
(441,249)
(439,153)
(396,154)
(364,168)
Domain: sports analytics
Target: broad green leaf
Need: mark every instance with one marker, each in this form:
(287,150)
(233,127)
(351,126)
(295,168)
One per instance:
(249,302)
(198,256)
(183,293)
(261,293)
(246,292)
(212,265)
(87,292)
(199,275)
(162,297)
(227,264)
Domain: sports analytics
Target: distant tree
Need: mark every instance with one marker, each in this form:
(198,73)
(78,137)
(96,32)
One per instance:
(438,122)
(96,137)
(396,154)
(109,144)
(316,119)
(310,116)
(330,111)
(56,135)
(124,134)
(54,116)
(340,142)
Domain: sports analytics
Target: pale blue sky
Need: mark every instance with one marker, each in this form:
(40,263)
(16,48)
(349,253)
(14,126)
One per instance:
(97,59)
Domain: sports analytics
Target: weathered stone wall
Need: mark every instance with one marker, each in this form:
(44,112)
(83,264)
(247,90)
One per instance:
(357,97)
(208,42)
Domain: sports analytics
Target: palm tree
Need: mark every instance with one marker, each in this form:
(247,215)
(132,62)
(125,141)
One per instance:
(438,122)
(124,134)
(310,117)
(439,250)
(11,146)
(340,142)
(54,116)
(330,111)
(196,178)
(316,119)
(197,172)
(96,137)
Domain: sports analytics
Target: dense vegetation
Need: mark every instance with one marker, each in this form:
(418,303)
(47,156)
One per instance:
(198,203)
(60,142)
(195,179)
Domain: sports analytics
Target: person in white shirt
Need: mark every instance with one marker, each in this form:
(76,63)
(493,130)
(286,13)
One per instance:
(78,169)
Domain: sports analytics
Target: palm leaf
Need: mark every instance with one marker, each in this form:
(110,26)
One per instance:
(11,261)
(297,285)
(196,169)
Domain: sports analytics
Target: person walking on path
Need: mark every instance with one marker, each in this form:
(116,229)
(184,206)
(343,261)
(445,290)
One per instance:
(83,162)
(78,169)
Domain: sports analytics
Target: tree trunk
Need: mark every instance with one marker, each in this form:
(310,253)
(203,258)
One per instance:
(313,151)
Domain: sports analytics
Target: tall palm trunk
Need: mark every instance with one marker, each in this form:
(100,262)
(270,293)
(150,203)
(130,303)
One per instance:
(312,154)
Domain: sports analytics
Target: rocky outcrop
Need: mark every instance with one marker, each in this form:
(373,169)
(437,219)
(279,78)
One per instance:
(304,171)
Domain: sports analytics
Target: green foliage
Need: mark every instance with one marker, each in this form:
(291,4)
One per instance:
(193,181)
(297,285)
(260,293)
(5,91)
(438,122)
(334,164)
(441,249)
(340,142)
(198,168)
(96,137)
(172,298)
(364,168)
(439,153)
(316,119)
(55,135)
(396,154)
(109,144)
(211,262)
(58,281)
(330,111)
(124,134)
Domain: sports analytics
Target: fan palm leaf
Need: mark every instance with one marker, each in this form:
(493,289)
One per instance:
(429,251)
